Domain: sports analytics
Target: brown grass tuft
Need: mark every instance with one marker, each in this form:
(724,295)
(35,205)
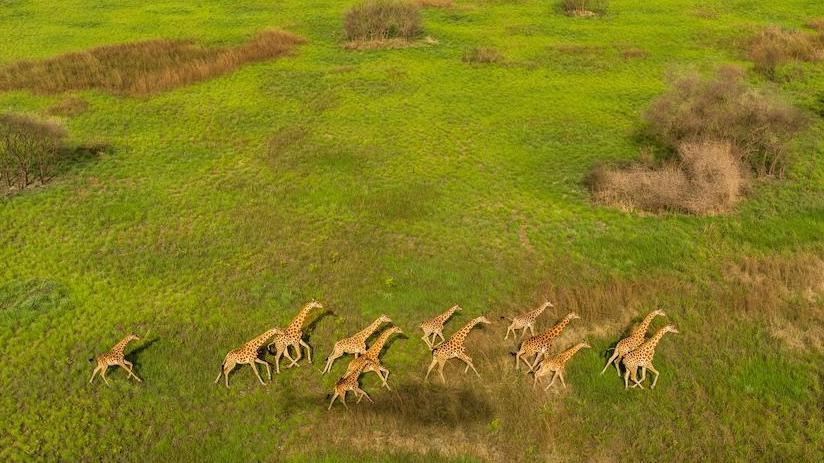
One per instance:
(634,53)
(142,68)
(482,55)
(70,106)
(585,8)
(434,3)
(816,24)
(382,21)
(774,46)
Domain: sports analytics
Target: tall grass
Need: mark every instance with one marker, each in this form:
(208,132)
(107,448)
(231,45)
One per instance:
(378,20)
(142,68)
(585,7)
(775,46)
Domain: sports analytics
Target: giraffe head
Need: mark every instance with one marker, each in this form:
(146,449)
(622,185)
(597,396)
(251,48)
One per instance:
(584,345)
(572,316)
(456,308)
(132,337)
(659,312)
(384,319)
(314,304)
(394,329)
(547,305)
(670,329)
(483,319)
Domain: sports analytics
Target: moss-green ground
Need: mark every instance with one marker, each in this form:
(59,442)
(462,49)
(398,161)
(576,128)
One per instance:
(393,181)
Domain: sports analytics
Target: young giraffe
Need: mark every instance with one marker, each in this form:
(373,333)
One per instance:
(293,337)
(525,321)
(371,360)
(434,327)
(355,344)
(556,364)
(349,382)
(539,345)
(454,348)
(642,357)
(631,342)
(247,354)
(114,357)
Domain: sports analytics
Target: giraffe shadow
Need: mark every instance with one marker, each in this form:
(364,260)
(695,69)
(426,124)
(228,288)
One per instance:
(134,356)
(310,328)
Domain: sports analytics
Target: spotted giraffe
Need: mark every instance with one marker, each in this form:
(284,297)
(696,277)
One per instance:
(642,357)
(556,364)
(525,321)
(114,357)
(539,345)
(293,337)
(355,344)
(371,360)
(454,348)
(631,342)
(434,327)
(247,354)
(349,382)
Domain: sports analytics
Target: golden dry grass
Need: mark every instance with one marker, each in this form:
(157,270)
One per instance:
(434,3)
(775,46)
(70,106)
(142,68)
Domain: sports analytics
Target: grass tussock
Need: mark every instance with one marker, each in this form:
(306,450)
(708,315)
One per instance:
(706,178)
(142,68)
(816,24)
(70,106)
(29,150)
(378,21)
(775,46)
(482,55)
(435,3)
(585,8)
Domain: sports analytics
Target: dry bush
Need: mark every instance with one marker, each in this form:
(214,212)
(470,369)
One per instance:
(434,3)
(143,67)
(816,24)
(29,150)
(707,178)
(774,46)
(759,125)
(71,106)
(585,7)
(482,55)
(381,20)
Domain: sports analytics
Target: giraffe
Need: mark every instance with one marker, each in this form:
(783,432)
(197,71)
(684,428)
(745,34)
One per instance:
(293,337)
(454,348)
(355,344)
(247,354)
(525,321)
(539,345)
(556,364)
(371,360)
(434,326)
(642,357)
(631,342)
(349,382)
(114,357)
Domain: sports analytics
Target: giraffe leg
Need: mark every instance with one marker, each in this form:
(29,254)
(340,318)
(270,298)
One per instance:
(426,340)
(94,373)
(469,364)
(618,366)
(227,368)
(626,378)
(643,373)
(611,359)
(343,399)
(278,354)
(652,369)
(331,359)
(334,396)
(308,350)
(266,364)
(561,375)
(508,329)
(253,365)
(440,370)
(385,378)
(531,330)
(534,362)
(634,376)
(364,394)
(554,376)
(103,375)
(129,371)
(429,370)
(298,355)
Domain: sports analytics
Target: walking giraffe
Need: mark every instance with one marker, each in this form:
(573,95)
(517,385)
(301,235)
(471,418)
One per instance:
(539,345)
(525,321)
(247,354)
(434,327)
(454,348)
(371,359)
(349,382)
(631,342)
(642,357)
(114,357)
(355,344)
(556,365)
(292,336)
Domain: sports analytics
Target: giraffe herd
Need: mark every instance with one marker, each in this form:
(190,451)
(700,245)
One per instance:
(635,352)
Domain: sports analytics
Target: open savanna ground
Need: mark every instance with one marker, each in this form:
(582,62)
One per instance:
(400,181)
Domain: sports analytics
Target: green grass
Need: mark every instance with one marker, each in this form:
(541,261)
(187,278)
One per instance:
(400,182)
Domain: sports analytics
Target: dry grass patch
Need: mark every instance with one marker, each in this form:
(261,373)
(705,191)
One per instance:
(775,46)
(482,55)
(585,8)
(434,3)
(816,24)
(142,68)
(634,53)
(71,106)
(382,23)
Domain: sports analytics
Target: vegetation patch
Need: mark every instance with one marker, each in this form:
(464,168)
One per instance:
(774,47)
(719,129)
(70,106)
(382,23)
(585,8)
(435,3)
(142,68)
(482,55)
(29,150)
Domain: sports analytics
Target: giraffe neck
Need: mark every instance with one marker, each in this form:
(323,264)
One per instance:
(567,354)
(653,341)
(366,332)
(445,316)
(644,325)
(377,346)
(121,346)
(260,340)
(560,326)
(462,333)
(297,322)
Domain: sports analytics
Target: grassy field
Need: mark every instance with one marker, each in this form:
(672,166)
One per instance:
(403,181)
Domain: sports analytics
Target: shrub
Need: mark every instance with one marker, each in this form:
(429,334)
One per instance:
(142,67)
(585,7)
(376,20)
(774,46)
(29,150)
(481,55)
(758,125)
(706,178)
